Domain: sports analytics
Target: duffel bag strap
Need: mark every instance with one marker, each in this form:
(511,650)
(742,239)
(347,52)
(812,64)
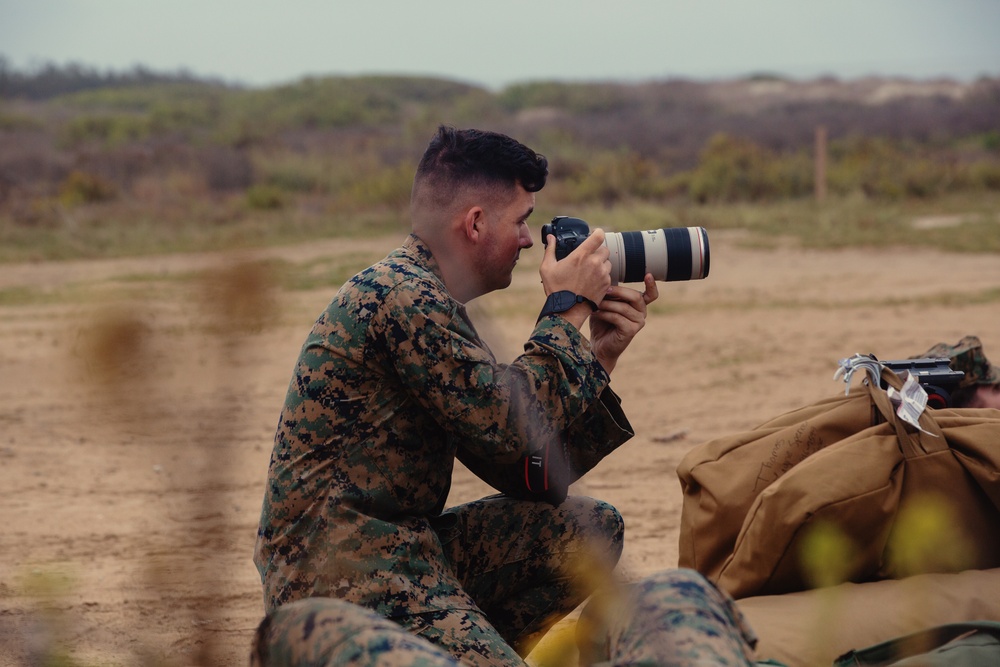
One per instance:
(926,439)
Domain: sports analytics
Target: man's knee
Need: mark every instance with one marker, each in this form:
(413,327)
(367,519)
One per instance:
(600,524)
(682,613)
(676,584)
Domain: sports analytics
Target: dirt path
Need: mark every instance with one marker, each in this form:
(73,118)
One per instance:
(132,475)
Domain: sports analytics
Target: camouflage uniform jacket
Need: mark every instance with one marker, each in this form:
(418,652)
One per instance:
(392,384)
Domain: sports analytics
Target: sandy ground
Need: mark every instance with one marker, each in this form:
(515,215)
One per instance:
(138,402)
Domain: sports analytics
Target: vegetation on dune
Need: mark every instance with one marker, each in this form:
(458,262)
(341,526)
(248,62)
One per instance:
(98,164)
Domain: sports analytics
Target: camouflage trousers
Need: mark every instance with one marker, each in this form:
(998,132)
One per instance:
(517,560)
(520,561)
(671,618)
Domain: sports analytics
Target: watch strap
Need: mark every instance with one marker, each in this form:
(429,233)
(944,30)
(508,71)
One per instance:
(582,299)
(563,300)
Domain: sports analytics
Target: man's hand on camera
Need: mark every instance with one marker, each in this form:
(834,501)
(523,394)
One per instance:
(585,271)
(622,314)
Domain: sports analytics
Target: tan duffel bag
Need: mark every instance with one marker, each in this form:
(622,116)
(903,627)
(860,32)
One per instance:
(753,500)
(814,627)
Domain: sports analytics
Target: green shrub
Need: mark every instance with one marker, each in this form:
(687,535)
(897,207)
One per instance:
(105,129)
(144,98)
(384,187)
(925,178)
(265,197)
(985,175)
(295,173)
(612,177)
(81,187)
(18,121)
(991,141)
(574,98)
(328,102)
(882,169)
(735,169)
(183,115)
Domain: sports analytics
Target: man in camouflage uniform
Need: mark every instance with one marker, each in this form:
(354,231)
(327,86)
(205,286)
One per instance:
(394,383)
(671,619)
(980,388)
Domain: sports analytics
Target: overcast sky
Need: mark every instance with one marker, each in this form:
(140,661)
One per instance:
(497,43)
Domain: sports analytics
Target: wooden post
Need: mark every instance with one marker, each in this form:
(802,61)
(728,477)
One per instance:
(820,175)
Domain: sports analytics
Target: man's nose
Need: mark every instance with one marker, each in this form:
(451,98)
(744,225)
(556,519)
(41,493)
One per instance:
(526,241)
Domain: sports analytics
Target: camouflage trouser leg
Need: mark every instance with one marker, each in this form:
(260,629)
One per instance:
(516,559)
(672,618)
(325,632)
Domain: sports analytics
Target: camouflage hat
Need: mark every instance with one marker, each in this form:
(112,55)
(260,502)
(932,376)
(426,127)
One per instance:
(967,356)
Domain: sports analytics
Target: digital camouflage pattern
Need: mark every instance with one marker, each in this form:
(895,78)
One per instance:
(967,356)
(672,618)
(675,618)
(324,632)
(521,562)
(392,384)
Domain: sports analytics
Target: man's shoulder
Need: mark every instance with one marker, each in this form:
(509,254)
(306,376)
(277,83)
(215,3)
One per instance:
(405,274)
(397,270)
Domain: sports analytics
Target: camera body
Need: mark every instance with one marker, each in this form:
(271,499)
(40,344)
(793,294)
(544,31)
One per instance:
(935,375)
(670,253)
(569,233)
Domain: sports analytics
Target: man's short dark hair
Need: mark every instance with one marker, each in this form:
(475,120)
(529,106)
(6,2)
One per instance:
(455,158)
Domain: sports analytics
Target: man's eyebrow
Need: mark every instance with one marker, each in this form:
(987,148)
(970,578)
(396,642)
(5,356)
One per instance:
(528,213)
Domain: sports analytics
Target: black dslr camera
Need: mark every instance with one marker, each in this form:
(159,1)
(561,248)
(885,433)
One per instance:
(671,253)
(935,375)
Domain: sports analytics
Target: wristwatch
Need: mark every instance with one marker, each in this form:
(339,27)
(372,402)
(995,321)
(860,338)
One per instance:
(562,301)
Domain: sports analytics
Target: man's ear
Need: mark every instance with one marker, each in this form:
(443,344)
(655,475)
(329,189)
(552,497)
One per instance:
(474,223)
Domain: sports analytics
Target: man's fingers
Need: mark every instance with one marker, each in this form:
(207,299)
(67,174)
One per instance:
(652,292)
(550,249)
(625,302)
(629,296)
(592,242)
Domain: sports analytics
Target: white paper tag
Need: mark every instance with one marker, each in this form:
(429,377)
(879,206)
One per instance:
(910,402)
